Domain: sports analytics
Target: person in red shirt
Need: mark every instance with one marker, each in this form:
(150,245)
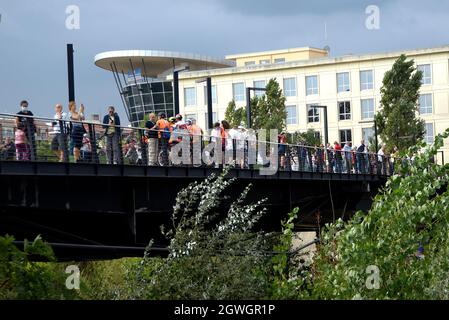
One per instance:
(338,157)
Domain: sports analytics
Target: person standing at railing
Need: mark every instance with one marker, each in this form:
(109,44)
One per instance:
(8,149)
(330,158)
(382,159)
(22,147)
(282,141)
(226,140)
(319,155)
(347,151)
(196,139)
(78,130)
(152,139)
(395,161)
(360,156)
(28,127)
(338,157)
(59,141)
(163,128)
(111,124)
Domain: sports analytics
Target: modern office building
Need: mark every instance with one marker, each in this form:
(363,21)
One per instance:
(141,77)
(348,85)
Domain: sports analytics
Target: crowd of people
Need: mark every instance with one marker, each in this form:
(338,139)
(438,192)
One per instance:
(70,138)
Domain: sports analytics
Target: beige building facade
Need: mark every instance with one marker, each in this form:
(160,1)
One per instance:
(349,86)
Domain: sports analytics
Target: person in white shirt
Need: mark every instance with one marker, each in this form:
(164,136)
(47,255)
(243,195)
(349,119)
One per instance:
(382,160)
(59,141)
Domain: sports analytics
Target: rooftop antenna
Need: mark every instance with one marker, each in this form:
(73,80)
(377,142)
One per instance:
(327,48)
(325,31)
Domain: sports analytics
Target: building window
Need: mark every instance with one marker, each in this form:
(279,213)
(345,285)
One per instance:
(290,87)
(214,118)
(345,137)
(214,95)
(313,114)
(311,85)
(190,96)
(343,82)
(250,63)
(425,103)
(291,114)
(426,73)
(368,135)
(366,80)
(279,60)
(265,61)
(367,108)
(259,84)
(238,90)
(344,110)
(429,134)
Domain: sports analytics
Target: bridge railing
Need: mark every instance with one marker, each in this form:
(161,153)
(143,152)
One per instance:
(33,138)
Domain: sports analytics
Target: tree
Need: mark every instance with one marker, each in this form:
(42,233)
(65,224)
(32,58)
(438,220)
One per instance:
(268,111)
(308,138)
(397,122)
(235,116)
(23,278)
(376,256)
(212,254)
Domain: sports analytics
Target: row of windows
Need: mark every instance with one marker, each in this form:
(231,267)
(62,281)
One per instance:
(312,85)
(344,110)
(264,61)
(345,135)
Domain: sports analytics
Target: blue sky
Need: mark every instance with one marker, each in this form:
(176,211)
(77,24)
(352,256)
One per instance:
(33,37)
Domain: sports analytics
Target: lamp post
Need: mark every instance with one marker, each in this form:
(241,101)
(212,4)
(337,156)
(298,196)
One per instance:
(248,103)
(176,86)
(326,125)
(70,73)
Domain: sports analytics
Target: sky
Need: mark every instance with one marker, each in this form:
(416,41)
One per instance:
(33,37)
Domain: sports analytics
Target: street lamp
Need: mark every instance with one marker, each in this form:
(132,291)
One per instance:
(248,103)
(326,126)
(209,100)
(176,86)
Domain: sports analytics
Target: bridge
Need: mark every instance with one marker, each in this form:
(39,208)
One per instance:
(92,210)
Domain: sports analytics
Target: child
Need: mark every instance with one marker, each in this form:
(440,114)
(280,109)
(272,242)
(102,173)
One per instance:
(22,149)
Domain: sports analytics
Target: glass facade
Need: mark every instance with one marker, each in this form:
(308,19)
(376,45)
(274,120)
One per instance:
(144,98)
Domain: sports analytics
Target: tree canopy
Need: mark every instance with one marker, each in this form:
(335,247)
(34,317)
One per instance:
(397,120)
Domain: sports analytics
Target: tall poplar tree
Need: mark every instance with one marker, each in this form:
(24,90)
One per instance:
(397,121)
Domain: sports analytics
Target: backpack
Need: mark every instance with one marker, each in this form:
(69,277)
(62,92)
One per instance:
(166,133)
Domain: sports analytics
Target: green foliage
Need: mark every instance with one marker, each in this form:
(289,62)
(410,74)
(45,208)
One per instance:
(308,138)
(234,116)
(287,280)
(21,278)
(212,256)
(397,122)
(44,152)
(412,210)
(268,111)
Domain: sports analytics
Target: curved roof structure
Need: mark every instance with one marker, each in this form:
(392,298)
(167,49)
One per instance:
(154,62)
